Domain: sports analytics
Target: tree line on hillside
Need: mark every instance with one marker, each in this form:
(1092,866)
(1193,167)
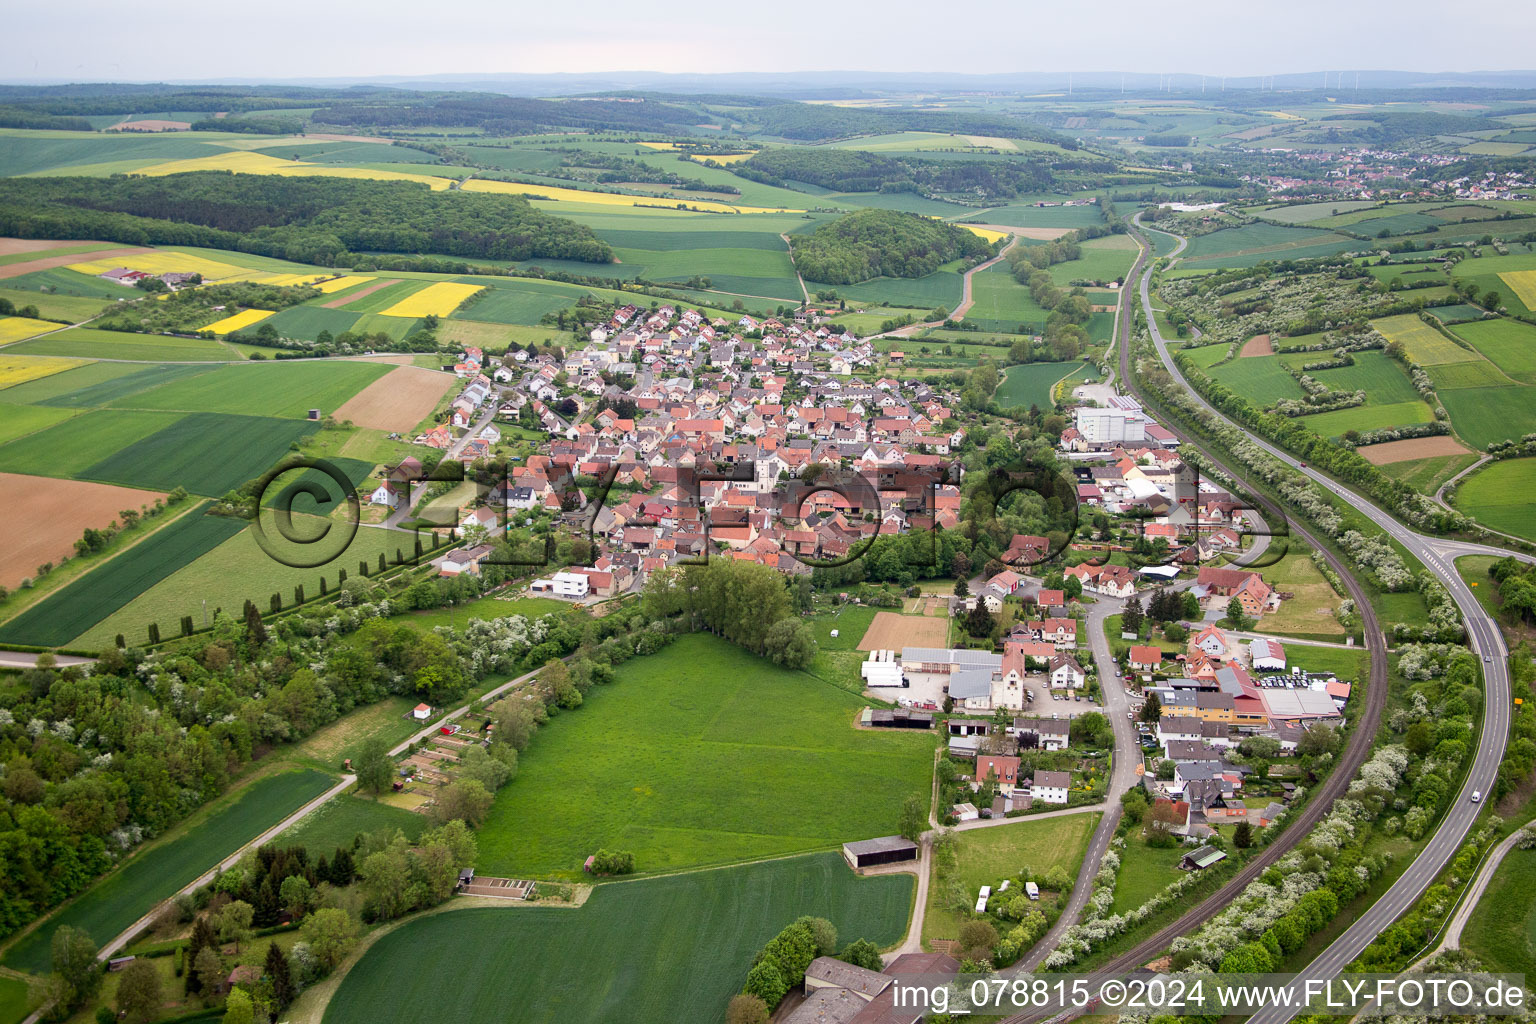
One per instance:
(882,243)
(852,170)
(319,220)
(508,115)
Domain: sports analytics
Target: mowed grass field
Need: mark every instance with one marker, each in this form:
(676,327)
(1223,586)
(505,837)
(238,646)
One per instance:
(155,873)
(339,821)
(1499,495)
(66,613)
(1501,932)
(1030,384)
(660,949)
(231,570)
(702,754)
(1425,345)
(986,856)
(1261,379)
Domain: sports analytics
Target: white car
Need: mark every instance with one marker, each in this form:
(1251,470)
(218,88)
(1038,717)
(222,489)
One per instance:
(1477,797)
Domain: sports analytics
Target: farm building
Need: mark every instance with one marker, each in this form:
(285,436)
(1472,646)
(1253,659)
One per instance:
(870,853)
(896,718)
(1204,857)
(1266,655)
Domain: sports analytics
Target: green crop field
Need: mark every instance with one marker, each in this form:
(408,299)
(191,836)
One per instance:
(1483,272)
(725,757)
(156,872)
(1511,345)
(1424,345)
(1499,495)
(88,343)
(20,420)
(71,447)
(1038,216)
(987,856)
(1380,377)
(283,389)
(65,614)
(307,321)
(337,822)
(230,570)
(998,299)
(1501,932)
(101,383)
(1484,415)
(1030,384)
(1369,417)
(1259,378)
(385,297)
(1457,314)
(518,301)
(494,338)
(659,949)
(1255,238)
(1306,213)
(1426,475)
(207,453)
(941,288)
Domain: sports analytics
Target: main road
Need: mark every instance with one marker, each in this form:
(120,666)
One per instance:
(1483,637)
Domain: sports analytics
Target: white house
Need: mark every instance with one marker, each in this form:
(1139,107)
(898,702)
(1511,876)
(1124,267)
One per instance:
(422,712)
(571,585)
(1065,673)
(1051,787)
(387,494)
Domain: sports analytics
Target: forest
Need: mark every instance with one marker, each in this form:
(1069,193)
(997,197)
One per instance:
(316,220)
(882,243)
(852,170)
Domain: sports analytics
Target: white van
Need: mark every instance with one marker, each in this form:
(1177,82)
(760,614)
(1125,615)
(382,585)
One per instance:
(1032,890)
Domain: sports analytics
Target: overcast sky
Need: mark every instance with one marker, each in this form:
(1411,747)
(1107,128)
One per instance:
(96,40)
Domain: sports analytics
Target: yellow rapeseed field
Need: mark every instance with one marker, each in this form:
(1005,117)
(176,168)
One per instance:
(987,233)
(1523,284)
(730,158)
(341,282)
(163,262)
(572,195)
(20,369)
(20,328)
(244,318)
(260,163)
(434,300)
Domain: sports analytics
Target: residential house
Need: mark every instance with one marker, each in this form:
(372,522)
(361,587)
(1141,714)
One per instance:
(1051,787)
(1065,673)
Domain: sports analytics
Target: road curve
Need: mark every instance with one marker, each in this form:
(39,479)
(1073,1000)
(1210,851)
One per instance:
(1484,639)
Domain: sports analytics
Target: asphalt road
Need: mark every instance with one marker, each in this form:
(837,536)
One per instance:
(1485,640)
